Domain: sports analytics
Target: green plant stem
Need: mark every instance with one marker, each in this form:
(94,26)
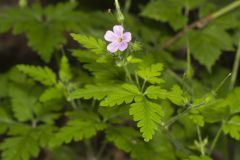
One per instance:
(235,68)
(175,142)
(189,72)
(180,115)
(200,141)
(231,86)
(201,22)
(222,83)
(217,136)
(101,150)
(226,9)
(128,75)
(137,80)
(90,153)
(143,86)
(179,79)
(127,6)
(120,16)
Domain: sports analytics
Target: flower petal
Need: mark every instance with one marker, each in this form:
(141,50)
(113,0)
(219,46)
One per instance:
(123,46)
(118,30)
(113,47)
(127,37)
(110,36)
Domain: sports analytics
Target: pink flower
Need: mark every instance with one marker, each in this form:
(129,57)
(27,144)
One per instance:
(119,40)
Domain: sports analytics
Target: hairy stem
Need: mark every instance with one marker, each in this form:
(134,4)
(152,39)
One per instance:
(100,152)
(90,153)
(231,86)
(137,80)
(202,22)
(184,113)
(235,68)
(217,136)
(127,6)
(128,75)
(120,16)
(200,141)
(143,86)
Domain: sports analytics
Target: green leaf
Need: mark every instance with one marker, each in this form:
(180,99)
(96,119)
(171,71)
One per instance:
(50,94)
(3,85)
(148,115)
(23,102)
(206,45)
(5,121)
(65,70)
(25,142)
(90,91)
(155,92)
(197,119)
(124,94)
(232,127)
(97,46)
(44,27)
(42,74)
(77,130)
(215,112)
(122,137)
(152,73)
(166,11)
(21,147)
(233,100)
(176,95)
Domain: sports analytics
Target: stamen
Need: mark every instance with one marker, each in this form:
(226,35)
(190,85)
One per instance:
(120,39)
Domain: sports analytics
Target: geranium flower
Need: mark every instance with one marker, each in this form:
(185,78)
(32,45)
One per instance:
(119,40)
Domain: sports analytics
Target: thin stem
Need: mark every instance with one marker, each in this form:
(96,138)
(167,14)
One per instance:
(202,22)
(73,104)
(185,112)
(188,72)
(179,79)
(235,68)
(222,83)
(175,142)
(143,86)
(231,86)
(34,123)
(128,75)
(90,153)
(120,16)
(127,6)
(200,141)
(226,9)
(137,80)
(216,138)
(101,150)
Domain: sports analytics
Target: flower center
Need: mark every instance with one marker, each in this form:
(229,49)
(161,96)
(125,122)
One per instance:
(120,39)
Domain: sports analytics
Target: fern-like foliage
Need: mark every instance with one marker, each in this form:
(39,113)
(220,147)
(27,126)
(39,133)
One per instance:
(148,115)
(42,74)
(26,142)
(92,91)
(97,46)
(232,127)
(65,73)
(152,73)
(156,92)
(43,26)
(122,137)
(78,129)
(50,94)
(124,94)
(176,95)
